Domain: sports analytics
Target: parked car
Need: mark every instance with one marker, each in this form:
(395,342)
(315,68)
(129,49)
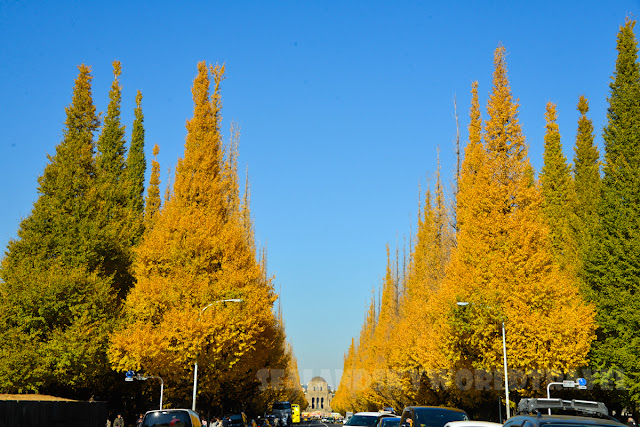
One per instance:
(171,418)
(430,416)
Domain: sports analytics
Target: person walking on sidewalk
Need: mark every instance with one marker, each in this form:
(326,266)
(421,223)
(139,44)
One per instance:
(119,421)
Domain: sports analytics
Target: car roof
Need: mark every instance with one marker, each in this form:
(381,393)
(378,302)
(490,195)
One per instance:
(375,414)
(570,419)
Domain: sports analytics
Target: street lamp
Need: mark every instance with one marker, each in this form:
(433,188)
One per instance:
(146,377)
(504,355)
(195,367)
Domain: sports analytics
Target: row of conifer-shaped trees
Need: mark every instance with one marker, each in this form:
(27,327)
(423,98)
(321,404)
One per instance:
(101,280)
(556,258)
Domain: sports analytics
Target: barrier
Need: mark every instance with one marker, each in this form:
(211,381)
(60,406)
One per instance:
(38,413)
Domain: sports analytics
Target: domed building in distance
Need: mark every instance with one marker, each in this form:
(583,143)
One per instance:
(319,395)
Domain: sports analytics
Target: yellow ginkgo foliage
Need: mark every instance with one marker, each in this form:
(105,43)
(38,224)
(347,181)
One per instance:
(344,398)
(499,262)
(502,263)
(197,254)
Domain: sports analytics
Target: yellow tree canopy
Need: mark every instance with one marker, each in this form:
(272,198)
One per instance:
(426,272)
(383,381)
(502,262)
(499,261)
(196,255)
(344,399)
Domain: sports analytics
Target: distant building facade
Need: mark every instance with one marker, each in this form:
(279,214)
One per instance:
(319,395)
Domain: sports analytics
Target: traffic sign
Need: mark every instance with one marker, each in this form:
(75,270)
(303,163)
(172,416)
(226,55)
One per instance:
(568,383)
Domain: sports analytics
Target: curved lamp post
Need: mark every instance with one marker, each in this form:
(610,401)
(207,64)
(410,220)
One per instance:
(504,355)
(146,377)
(131,375)
(195,367)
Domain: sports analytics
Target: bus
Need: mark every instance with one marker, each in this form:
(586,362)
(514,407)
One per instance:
(295,413)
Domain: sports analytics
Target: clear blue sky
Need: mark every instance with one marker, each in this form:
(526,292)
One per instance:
(342,105)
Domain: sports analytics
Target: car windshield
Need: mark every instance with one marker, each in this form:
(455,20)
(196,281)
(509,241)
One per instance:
(236,420)
(436,417)
(281,405)
(362,420)
(167,419)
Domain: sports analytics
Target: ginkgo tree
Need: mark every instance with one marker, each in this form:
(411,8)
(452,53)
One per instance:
(198,252)
(502,262)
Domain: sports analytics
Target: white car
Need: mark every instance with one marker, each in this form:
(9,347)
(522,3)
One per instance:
(366,419)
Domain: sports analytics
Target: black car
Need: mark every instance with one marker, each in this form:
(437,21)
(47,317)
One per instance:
(238,420)
(567,413)
(430,416)
(171,418)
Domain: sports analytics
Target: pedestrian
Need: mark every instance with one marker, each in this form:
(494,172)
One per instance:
(108,423)
(119,421)
(631,422)
(204,422)
(226,421)
(139,422)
